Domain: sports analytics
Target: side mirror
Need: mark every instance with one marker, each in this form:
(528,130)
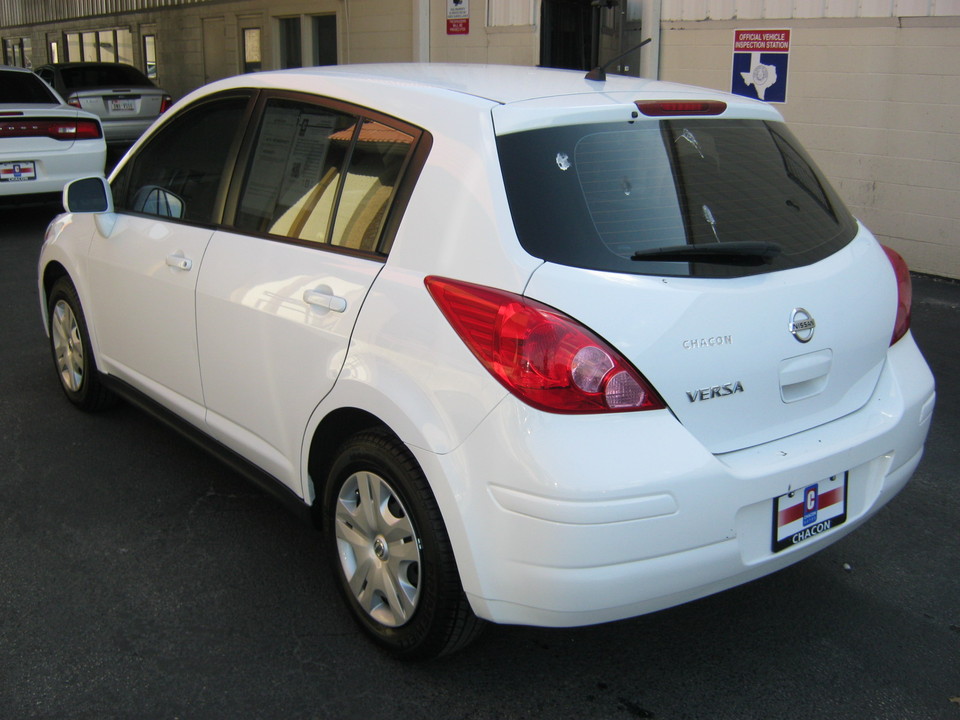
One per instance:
(88,195)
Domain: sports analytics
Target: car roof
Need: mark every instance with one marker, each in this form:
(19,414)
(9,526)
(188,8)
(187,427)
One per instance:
(499,84)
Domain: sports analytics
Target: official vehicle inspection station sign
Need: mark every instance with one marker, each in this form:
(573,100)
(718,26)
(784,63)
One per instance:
(760,64)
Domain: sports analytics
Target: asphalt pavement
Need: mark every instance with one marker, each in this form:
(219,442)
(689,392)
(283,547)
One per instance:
(139,578)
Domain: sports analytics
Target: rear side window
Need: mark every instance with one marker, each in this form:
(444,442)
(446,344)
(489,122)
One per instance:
(321,176)
(610,196)
(180,173)
(24,88)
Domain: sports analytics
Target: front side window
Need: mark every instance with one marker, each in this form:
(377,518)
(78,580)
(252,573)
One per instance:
(640,197)
(181,171)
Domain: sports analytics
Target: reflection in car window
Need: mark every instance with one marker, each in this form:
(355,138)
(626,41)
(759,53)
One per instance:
(179,173)
(296,185)
(368,187)
(293,175)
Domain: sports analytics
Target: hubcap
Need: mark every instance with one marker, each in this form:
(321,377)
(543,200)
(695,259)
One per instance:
(379,549)
(67,346)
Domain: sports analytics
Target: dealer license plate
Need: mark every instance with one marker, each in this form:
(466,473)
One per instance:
(123,106)
(18,171)
(809,511)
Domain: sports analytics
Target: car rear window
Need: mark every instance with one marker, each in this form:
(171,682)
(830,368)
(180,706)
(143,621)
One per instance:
(97,76)
(611,196)
(24,88)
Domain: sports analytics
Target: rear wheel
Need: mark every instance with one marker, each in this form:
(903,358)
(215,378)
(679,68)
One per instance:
(390,550)
(72,353)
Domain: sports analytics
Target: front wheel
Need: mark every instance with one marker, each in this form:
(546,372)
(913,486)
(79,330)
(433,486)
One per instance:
(72,353)
(390,551)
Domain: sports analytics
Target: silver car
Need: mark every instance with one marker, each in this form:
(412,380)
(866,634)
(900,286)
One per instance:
(122,97)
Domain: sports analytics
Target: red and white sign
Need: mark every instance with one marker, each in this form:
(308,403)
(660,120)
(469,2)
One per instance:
(458,17)
(765,41)
(807,512)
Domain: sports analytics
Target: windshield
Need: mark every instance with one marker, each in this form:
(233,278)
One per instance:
(610,196)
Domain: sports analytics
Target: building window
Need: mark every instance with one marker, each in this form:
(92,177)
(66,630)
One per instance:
(290,53)
(106,46)
(325,40)
(114,45)
(150,56)
(74,52)
(252,61)
(89,40)
(505,13)
(17,52)
(53,52)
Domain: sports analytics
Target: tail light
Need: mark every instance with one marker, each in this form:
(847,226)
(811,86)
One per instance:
(74,101)
(663,108)
(65,129)
(904,294)
(165,102)
(540,355)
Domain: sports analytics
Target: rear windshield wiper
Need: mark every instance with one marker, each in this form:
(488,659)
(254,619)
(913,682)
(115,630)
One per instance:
(746,252)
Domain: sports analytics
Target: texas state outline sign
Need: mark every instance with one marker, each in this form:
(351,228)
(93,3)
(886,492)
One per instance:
(760,59)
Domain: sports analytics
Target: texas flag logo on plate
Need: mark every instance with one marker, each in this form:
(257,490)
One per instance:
(802,514)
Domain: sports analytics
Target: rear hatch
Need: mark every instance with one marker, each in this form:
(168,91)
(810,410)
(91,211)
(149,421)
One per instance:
(711,252)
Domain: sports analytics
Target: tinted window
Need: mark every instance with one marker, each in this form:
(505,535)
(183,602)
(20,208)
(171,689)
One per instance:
(294,170)
(94,76)
(322,176)
(594,195)
(368,187)
(179,173)
(24,88)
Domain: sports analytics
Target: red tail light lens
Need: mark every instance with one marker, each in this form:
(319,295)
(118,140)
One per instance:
(543,357)
(165,103)
(904,294)
(56,129)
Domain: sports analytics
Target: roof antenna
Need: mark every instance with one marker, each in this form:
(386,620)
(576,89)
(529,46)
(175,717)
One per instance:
(599,73)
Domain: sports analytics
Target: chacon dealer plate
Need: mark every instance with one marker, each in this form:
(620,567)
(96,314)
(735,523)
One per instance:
(807,512)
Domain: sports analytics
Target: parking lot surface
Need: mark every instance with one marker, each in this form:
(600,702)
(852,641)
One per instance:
(140,578)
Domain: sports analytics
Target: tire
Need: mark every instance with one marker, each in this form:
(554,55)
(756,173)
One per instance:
(72,352)
(390,552)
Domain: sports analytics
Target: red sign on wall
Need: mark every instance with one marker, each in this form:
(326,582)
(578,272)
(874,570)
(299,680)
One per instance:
(460,26)
(765,41)
(458,17)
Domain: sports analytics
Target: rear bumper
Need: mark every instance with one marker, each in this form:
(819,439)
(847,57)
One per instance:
(54,169)
(125,131)
(564,521)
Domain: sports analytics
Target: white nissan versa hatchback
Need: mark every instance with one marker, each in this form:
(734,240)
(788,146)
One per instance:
(531,348)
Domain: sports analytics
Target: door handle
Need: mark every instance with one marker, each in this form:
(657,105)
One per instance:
(179,262)
(327,301)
